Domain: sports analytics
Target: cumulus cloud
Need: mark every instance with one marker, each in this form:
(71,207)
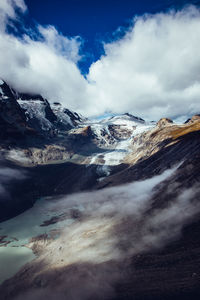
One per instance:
(152,71)
(45,64)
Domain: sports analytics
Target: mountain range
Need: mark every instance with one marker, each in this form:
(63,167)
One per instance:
(105,170)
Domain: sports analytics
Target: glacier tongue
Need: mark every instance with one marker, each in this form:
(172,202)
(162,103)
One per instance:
(110,133)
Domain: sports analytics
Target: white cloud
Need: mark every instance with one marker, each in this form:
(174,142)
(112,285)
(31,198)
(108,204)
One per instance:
(7,10)
(153,71)
(37,67)
(7,175)
(68,48)
(46,65)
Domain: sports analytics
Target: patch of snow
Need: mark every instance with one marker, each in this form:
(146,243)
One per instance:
(120,121)
(35,109)
(1,82)
(93,160)
(115,157)
(101,131)
(103,170)
(142,128)
(61,115)
(18,156)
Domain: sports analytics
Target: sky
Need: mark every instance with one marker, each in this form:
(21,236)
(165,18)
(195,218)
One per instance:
(95,20)
(98,57)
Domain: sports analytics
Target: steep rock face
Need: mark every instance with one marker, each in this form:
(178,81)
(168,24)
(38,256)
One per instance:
(75,118)
(20,112)
(12,116)
(119,132)
(38,114)
(48,118)
(193,119)
(164,122)
(66,119)
(82,139)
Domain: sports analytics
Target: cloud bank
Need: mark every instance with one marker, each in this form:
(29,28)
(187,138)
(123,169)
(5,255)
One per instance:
(153,71)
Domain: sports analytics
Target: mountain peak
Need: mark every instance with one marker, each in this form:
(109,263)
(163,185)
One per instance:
(22,111)
(164,122)
(134,117)
(193,119)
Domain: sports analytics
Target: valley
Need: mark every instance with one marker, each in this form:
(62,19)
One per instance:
(110,205)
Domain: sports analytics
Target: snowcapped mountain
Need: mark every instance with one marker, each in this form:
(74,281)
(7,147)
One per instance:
(123,119)
(114,136)
(106,141)
(48,152)
(66,118)
(33,113)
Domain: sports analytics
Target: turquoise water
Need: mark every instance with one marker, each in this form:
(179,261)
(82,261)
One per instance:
(20,230)
(12,259)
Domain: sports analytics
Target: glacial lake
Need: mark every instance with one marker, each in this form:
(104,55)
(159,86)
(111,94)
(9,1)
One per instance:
(19,230)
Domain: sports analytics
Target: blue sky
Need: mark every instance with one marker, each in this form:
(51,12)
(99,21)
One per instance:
(98,57)
(95,20)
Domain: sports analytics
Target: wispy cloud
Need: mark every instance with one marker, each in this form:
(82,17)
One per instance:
(94,250)
(8,11)
(114,222)
(7,175)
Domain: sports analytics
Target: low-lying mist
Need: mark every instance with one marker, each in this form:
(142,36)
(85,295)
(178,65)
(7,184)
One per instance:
(109,227)
(115,223)
(6,176)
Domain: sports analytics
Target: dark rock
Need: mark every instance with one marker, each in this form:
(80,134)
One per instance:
(12,117)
